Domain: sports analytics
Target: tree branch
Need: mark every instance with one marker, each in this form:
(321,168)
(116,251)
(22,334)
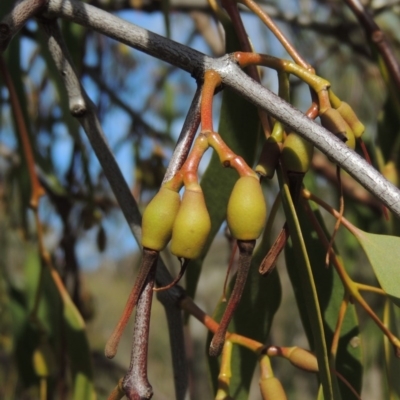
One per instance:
(16,19)
(83,109)
(185,140)
(197,63)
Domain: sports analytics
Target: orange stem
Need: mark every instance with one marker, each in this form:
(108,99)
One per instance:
(188,305)
(211,81)
(36,188)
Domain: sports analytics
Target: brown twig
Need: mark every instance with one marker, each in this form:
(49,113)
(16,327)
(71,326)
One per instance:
(184,264)
(376,35)
(149,262)
(351,188)
(269,261)
(338,220)
(36,190)
(186,137)
(245,253)
(135,383)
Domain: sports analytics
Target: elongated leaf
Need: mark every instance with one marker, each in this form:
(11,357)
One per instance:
(253,318)
(392,363)
(330,294)
(307,286)
(78,351)
(53,309)
(383,252)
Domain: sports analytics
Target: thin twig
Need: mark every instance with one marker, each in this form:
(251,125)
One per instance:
(376,35)
(185,140)
(135,115)
(136,384)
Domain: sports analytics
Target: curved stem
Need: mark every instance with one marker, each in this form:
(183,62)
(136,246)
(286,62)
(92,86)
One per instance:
(245,253)
(211,81)
(149,261)
(184,264)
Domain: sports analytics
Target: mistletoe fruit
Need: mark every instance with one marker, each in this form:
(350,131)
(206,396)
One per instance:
(192,225)
(297,154)
(247,209)
(332,120)
(271,389)
(158,219)
(351,118)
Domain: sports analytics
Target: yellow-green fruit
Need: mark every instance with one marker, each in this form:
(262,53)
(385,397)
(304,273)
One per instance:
(247,210)
(43,361)
(192,226)
(334,122)
(272,389)
(158,219)
(303,359)
(297,153)
(351,118)
(269,158)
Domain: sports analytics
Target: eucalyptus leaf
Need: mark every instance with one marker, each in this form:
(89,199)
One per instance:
(383,252)
(307,286)
(263,296)
(392,363)
(330,290)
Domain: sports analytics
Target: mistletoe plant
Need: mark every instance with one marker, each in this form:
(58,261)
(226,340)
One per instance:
(186,213)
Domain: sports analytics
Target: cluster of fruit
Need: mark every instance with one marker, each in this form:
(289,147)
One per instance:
(188,224)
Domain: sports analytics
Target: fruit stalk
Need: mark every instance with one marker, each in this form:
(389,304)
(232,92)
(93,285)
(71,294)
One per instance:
(149,263)
(246,248)
(135,383)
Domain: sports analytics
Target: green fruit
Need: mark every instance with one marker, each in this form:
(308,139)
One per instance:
(332,120)
(247,210)
(351,118)
(297,153)
(271,389)
(43,361)
(269,158)
(192,226)
(303,359)
(158,219)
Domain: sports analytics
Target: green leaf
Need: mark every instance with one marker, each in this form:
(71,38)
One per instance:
(383,252)
(330,292)
(392,363)
(69,334)
(78,351)
(253,319)
(309,293)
